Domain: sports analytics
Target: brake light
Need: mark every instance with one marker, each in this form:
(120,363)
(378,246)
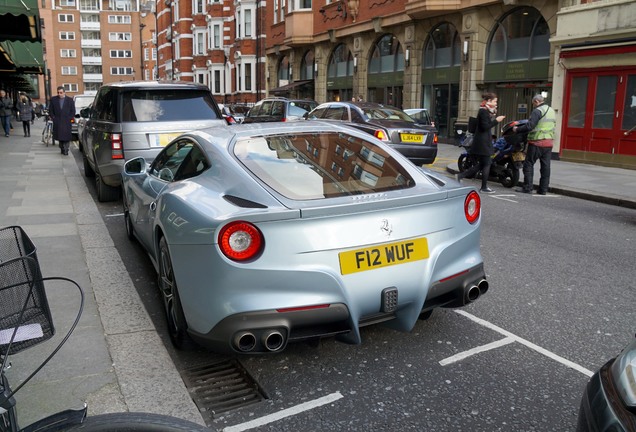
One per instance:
(472,207)
(380,134)
(116,146)
(435,139)
(240,241)
(230,119)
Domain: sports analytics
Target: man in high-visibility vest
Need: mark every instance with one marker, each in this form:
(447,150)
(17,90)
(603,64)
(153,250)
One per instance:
(540,126)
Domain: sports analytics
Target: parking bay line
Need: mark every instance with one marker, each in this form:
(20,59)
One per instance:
(306,406)
(509,337)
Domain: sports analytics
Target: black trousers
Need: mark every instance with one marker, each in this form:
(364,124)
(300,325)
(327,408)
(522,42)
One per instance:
(483,165)
(26,125)
(64,146)
(543,155)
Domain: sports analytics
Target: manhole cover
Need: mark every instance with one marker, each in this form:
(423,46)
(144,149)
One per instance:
(221,387)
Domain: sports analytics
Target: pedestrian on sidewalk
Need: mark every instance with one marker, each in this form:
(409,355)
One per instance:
(26,114)
(482,146)
(62,111)
(5,112)
(540,126)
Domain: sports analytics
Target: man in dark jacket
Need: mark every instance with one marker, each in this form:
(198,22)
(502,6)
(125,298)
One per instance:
(6,109)
(62,111)
(541,126)
(482,146)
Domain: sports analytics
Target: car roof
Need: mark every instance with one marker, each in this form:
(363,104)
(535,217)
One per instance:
(162,85)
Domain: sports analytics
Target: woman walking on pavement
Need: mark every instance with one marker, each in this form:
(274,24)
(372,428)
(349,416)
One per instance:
(26,114)
(482,141)
(5,112)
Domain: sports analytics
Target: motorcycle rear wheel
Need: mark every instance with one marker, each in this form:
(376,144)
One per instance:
(509,175)
(465,162)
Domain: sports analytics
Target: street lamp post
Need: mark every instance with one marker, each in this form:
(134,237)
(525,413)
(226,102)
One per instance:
(141,46)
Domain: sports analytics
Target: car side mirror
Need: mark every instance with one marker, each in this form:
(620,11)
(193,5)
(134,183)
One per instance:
(85,112)
(135,166)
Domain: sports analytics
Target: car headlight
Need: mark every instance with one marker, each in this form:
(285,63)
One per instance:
(623,373)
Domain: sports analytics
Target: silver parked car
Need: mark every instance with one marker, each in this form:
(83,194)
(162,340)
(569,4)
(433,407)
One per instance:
(132,119)
(272,233)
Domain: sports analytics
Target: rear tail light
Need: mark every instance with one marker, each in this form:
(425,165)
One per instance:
(230,120)
(240,241)
(472,207)
(380,134)
(116,146)
(435,139)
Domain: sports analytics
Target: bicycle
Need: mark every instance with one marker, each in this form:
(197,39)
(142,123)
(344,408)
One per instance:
(26,320)
(47,133)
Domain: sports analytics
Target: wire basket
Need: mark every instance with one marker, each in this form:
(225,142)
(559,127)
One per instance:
(25,317)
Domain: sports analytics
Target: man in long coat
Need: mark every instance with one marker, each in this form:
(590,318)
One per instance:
(62,111)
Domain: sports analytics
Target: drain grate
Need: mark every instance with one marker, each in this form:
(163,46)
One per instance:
(221,387)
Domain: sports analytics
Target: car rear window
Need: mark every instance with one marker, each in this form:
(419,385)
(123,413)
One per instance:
(310,166)
(168,105)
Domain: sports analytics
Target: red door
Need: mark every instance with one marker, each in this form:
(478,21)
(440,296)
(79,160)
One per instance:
(600,111)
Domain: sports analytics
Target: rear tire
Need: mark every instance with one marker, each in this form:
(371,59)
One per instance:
(88,171)
(177,324)
(135,422)
(105,193)
(465,162)
(509,176)
(130,229)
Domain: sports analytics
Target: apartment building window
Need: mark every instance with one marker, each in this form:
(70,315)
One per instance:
(120,54)
(91,52)
(198,6)
(92,86)
(89,18)
(121,71)
(199,43)
(68,53)
(248,76)
(217,82)
(119,36)
(70,87)
(216,36)
(89,5)
(119,19)
(300,4)
(67,35)
(200,77)
(146,75)
(66,2)
(91,35)
(92,69)
(65,18)
(120,5)
(69,70)
(279,11)
(247,14)
(146,54)
(154,53)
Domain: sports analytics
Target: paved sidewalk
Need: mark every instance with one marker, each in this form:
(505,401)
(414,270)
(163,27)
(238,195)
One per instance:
(115,360)
(614,186)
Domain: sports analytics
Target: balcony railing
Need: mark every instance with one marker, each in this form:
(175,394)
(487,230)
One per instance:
(91,60)
(88,25)
(91,43)
(93,77)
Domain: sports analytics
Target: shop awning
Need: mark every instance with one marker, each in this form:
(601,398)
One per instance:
(20,20)
(17,82)
(291,86)
(21,57)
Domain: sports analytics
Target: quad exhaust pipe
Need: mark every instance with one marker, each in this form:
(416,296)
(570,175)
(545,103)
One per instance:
(473,292)
(271,340)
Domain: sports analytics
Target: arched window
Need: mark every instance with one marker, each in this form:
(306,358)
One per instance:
(283,69)
(443,48)
(340,62)
(387,56)
(307,66)
(521,34)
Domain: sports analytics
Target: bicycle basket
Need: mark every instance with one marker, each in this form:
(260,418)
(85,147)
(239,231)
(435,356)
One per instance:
(23,303)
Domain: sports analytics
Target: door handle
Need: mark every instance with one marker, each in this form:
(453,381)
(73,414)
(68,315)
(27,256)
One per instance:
(153,206)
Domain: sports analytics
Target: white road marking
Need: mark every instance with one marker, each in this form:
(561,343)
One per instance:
(477,350)
(527,343)
(503,197)
(284,413)
(115,215)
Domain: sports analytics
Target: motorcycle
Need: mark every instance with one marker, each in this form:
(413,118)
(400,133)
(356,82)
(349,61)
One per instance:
(507,159)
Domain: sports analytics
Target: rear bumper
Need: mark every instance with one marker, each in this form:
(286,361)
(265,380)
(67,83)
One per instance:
(417,153)
(601,406)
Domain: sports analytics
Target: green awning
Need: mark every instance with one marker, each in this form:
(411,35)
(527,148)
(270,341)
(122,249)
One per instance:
(21,57)
(20,20)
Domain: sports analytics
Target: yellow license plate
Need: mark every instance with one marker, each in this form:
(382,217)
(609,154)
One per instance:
(383,255)
(162,140)
(412,138)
